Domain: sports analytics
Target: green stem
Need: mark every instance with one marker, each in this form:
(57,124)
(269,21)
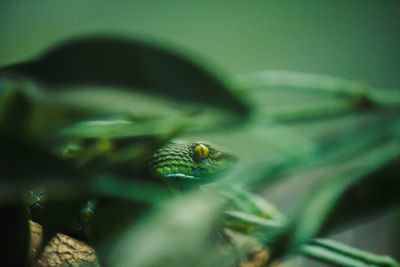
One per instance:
(343,255)
(358,92)
(325,250)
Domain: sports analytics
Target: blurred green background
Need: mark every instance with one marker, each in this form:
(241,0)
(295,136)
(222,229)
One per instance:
(359,40)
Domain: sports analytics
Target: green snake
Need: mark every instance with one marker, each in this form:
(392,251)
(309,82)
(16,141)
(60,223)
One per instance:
(173,163)
(191,161)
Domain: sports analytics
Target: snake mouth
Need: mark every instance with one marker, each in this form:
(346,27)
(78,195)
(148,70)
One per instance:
(179,176)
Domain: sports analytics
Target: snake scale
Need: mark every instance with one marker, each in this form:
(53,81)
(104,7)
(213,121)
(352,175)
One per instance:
(198,160)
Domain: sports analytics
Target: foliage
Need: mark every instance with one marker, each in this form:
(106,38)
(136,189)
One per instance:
(82,119)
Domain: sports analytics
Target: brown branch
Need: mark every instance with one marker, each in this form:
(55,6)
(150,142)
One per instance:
(62,250)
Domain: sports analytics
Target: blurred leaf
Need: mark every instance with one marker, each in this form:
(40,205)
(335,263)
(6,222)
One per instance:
(91,111)
(244,201)
(317,83)
(355,185)
(181,232)
(15,234)
(263,228)
(272,92)
(333,252)
(21,160)
(291,79)
(375,193)
(347,144)
(117,128)
(251,214)
(126,199)
(130,189)
(112,216)
(304,112)
(136,113)
(15,110)
(25,113)
(132,64)
(324,250)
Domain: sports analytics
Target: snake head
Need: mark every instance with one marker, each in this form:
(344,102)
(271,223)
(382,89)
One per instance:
(191,161)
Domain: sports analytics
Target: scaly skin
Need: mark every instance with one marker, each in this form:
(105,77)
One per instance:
(182,161)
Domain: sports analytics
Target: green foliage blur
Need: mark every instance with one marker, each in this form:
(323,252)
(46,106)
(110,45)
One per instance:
(82,117)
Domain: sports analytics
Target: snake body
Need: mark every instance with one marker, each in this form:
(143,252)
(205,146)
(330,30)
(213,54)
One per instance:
(173,163)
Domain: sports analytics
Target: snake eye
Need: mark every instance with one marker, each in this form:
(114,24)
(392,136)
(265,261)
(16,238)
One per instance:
(201,151)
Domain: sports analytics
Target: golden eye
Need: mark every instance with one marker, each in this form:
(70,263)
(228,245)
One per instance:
(201,151)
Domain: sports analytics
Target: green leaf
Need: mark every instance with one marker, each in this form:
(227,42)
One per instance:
(375,193)
(286,96)
(24,160)
(333,252)
(344,141)
(295,80)
(181,232)
(133,64)
(364,186)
